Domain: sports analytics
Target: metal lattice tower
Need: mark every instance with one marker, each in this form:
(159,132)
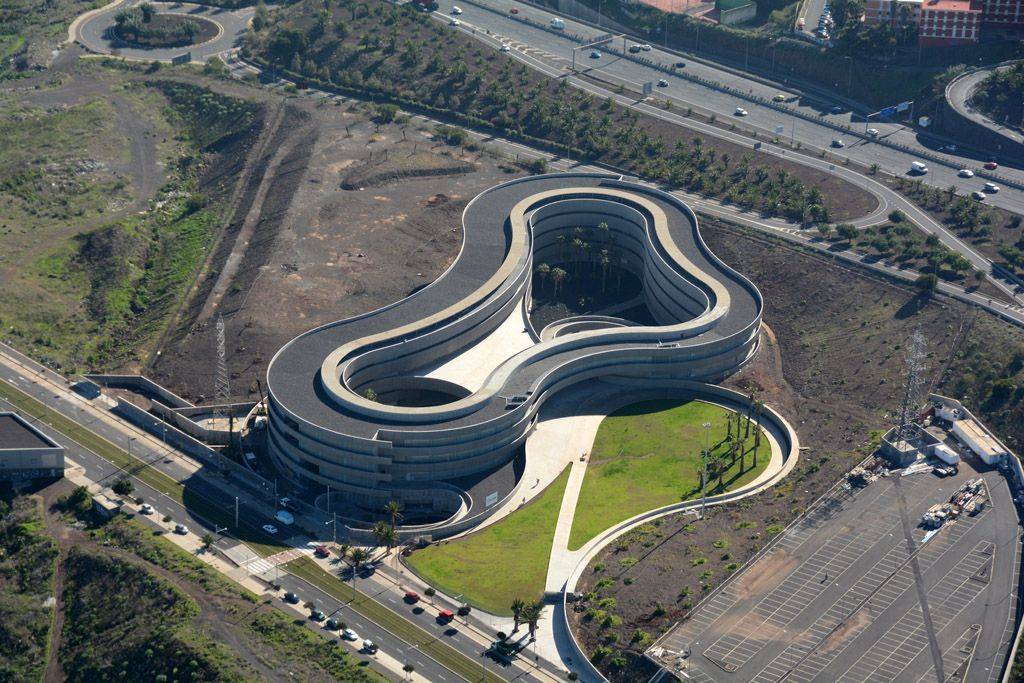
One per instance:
(914,381)
(222,384)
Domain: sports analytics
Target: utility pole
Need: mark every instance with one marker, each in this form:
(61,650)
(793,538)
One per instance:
(236,514)
(704,469)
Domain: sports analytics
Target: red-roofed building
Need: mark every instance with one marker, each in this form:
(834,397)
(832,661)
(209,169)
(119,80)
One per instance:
(950,22)
(1002,13)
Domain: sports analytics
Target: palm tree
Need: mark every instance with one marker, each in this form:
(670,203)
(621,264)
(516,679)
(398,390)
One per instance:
(408,669)
(604,260)
(531,614)
(393,510)
(560,241)
(517,612)
(384,534)
(558,276)
(542,272)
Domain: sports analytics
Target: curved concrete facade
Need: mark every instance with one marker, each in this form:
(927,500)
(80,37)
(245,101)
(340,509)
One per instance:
(324,431)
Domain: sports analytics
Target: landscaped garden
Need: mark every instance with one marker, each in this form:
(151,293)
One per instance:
(144,26)
(648,455)
(501,562)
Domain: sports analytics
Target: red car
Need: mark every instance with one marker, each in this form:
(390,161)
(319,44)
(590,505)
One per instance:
(412,596)
(445,615)
(991,165)
(322,551)
(514,10)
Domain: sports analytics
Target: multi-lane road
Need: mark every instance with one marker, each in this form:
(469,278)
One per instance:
(555,49)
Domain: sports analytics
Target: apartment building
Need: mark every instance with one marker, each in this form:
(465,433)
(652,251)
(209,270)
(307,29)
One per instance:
(950,22)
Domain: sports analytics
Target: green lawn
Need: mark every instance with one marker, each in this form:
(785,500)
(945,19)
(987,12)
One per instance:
(504,561)
(647,455)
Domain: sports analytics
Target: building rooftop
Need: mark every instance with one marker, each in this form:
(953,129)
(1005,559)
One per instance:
(953,5)
(17,433)
(981,438)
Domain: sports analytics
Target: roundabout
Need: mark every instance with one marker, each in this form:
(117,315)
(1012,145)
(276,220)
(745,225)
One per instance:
(451,453)
(173,29)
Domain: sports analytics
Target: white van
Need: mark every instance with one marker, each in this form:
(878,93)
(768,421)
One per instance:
(285,517)
(918,167)
(557,24)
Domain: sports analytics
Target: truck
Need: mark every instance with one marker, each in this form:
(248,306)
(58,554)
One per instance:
(946,454)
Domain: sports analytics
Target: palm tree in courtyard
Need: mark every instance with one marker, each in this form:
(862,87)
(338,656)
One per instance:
(557,277)
(542,272)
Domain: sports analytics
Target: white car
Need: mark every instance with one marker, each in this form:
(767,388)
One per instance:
(146,509)
(181,529)
(646,48)
(505,48)
(873,132)
(991,188)
(740,111)
(369,646)
(662,83)
(349,634)
(455,22)
(595,54)
(270,529)
(966,173)
(979,195)
(456,10)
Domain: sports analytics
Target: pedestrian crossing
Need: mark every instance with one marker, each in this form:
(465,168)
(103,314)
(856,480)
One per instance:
(261,565)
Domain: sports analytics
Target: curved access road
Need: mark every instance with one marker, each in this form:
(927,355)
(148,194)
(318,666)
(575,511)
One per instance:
(959,93)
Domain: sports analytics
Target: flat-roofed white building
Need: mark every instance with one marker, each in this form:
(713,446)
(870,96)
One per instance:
(981,443)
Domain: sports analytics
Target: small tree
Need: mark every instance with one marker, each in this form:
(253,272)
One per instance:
(408,669)
(207,541)
(517,607)
(926,283)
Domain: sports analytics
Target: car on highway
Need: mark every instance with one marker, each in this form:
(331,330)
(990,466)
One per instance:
(991,165)
(317,615)
(645,47)
(662,83)
(557,24)
(180,529)
(505,47)
(634,49)
(872,132)
(779,97)
(146,509)
(455,22)
(270,529)
(836,110)
(445,615)
(369,647)
(680,65)
(918,168)
(332,625)
(965,173)
(978,195)
(991,188)
(838,144)
(595,54)
(740,111)
(284,517)
(456,10)
(349,634)
(291,598)
(412,596)
(514,10)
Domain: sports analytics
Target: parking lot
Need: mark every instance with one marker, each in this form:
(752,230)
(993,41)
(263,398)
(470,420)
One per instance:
(858,590)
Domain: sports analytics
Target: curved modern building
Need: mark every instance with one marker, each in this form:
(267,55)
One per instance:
(350,404)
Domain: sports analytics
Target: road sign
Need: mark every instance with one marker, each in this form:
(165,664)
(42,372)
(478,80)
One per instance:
(903,106)
(647,88)
(757,145)
(779,130)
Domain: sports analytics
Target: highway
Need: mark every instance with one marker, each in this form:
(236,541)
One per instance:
(48,388)
(555,50)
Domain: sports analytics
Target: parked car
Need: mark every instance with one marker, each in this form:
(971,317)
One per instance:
(322,551)
(445,615)
(291,598)
(779,97)
(966,173)
(872,132)
(349,634)
(947,148)
(740,111)
(978,195)
(645,47)
(680,65)
(836,110)
(991,188)
(146,509)
(557,24)
(839,144)
(412,596)
(317,615)
(505,47)
(595,54)
(370,647)
(456,10)
(270,529)
(918,168)
(455,22)
(332,625)
(180,529)
(662,83)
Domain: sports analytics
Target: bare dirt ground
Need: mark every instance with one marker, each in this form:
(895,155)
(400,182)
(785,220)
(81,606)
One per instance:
(831,362)
(312,252)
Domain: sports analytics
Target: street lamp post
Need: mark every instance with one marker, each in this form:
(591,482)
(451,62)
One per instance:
(704,469)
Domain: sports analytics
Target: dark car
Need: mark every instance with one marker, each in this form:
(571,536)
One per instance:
(291,598)
(680,65)
(836,110)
